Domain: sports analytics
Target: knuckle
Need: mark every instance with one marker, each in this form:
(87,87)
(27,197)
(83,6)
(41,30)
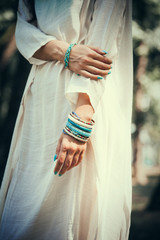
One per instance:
(81,63)
(77,146)
(64,147)
(75,160)
(86,60)
(61,160)
(96,72)
(67,163)
(104,73)
(79,149)
(90,54)
(73,147)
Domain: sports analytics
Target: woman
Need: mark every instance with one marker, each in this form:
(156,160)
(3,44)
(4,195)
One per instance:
(81,200)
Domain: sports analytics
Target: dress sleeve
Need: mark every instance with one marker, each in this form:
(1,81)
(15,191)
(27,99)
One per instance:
(105,31)
(29,38)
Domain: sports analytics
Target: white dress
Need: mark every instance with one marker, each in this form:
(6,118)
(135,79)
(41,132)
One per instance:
(93,200)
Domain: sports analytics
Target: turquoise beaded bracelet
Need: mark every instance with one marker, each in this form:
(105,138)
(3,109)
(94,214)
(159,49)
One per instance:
(67,54)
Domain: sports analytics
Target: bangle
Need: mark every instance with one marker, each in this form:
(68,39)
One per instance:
(67,54)
(77,128)
(81,122)
(74,136)
(75,114)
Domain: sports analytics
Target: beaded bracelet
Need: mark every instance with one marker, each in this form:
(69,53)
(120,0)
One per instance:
(67,54)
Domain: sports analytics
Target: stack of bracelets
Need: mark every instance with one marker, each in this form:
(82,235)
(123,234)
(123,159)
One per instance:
(78,128)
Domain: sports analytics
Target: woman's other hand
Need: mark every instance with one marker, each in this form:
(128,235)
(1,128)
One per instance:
(69,152)
(90,62)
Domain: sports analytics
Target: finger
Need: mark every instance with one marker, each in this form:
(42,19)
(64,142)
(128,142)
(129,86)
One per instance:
(81,155)
(88,61)
(101,58)
(90,75)
(67,163)
(96,71)
(74,160)
(61,159)
(97,54)
(98,50)
(100,65)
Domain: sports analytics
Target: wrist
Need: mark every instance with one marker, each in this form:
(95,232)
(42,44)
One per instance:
(84,108)
(85,113)
(53,50)
(58,49)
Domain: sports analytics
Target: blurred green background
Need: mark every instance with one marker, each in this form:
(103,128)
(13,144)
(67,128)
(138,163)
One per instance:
(14,71)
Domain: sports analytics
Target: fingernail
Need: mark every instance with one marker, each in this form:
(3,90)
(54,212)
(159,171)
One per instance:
(104,51)
(109,72)
(99,77)
(55,156)
(60,174)
(55,173)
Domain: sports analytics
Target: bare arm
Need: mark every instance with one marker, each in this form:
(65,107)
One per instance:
(88,61)
(53,50)
(84,108)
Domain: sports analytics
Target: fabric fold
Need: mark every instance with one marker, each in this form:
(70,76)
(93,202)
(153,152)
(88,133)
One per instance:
(107,36)
(31,41)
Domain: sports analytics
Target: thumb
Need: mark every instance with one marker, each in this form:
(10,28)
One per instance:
(58,148)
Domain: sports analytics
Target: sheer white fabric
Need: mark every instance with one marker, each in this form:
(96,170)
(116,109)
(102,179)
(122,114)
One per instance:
(92,201)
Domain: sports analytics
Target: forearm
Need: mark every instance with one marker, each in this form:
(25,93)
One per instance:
(84,108)
(53,50)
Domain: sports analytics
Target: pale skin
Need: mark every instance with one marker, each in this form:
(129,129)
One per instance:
(90,62)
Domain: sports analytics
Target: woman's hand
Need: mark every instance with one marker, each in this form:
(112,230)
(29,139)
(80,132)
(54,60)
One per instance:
(69,152)
(89,62)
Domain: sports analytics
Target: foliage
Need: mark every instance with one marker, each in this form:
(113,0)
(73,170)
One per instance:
(146,44)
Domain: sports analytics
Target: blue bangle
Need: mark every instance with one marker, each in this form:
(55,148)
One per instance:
(78,126)
(64,132)
(76,114)
(84,134)
(67,54)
